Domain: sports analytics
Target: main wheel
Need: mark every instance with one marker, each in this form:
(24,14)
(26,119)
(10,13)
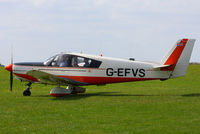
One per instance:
(27,92)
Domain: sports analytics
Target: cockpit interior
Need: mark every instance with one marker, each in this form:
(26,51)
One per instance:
(68,60)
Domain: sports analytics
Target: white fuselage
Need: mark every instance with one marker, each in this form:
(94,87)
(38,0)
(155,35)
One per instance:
(111,70)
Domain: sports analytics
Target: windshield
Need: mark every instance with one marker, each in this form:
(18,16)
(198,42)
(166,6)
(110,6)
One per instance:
(49,60)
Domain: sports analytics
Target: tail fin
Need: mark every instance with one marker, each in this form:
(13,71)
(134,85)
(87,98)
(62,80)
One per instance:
(178,58)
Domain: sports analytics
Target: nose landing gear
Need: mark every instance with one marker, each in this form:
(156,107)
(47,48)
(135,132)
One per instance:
(27,92)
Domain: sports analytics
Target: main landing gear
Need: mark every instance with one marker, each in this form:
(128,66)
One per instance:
(27,92)
(58,91)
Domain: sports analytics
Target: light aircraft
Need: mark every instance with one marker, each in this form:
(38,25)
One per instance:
(74,70)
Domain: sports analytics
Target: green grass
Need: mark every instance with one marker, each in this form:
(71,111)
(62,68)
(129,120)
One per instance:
(169,107)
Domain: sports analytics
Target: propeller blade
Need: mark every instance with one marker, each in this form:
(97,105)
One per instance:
(11,80)
(11,55)
(11,73)
(10,69)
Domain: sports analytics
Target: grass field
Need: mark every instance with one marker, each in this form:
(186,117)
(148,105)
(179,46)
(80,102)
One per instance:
(169,107)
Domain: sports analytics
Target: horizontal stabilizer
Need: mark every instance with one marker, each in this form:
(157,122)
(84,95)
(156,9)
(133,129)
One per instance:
(161,66)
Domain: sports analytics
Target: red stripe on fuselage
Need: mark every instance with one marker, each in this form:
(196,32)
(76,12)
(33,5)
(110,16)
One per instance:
(91,80)
(104,80)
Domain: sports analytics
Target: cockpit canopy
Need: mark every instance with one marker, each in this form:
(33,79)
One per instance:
(68,60)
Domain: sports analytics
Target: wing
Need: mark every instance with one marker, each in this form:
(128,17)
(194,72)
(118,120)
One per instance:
(46,78)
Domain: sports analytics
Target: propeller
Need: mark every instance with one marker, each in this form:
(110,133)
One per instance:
(11,81)
(11,72)
(10,69)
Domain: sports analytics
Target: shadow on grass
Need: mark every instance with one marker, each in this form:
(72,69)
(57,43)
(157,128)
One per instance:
(40,96)
(81,96)
(86,95)
(191,95)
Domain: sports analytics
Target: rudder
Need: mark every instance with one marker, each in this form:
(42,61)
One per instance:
(178,58)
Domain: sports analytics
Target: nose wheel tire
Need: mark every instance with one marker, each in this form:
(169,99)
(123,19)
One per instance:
(27,92)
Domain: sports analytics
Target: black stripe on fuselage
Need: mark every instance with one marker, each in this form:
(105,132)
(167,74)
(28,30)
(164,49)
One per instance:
(52,69)
(30,63)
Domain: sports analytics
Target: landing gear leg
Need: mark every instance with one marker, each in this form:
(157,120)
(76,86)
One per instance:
(27,92)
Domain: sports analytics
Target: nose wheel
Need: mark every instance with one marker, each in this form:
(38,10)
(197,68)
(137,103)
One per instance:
(27,92)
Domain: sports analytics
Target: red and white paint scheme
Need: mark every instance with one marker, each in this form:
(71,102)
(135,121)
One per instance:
(74,70)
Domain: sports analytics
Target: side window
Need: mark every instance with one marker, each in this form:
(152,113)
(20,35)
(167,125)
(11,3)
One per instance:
(95,64)
(78,61)
(65,61)
(75,61)
(85,62)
